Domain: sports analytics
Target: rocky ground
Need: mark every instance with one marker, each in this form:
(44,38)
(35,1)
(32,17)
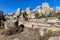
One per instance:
(13,32)
(27,34)
(30,34)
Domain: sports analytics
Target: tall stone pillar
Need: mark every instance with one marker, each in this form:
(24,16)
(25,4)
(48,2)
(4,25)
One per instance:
(28,10)
(1,19)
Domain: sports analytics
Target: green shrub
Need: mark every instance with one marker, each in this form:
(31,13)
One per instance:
(41,16)
(57,15)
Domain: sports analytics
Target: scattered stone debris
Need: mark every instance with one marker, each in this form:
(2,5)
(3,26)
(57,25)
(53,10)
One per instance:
(54,38)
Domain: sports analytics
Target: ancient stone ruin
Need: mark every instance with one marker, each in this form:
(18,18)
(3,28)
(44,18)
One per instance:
(1,19)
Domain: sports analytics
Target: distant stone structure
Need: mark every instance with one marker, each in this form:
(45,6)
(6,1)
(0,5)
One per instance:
(39,9)
(57,9)
(28,10)
(45,8)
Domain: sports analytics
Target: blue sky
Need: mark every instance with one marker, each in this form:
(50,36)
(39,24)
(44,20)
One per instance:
(11,5)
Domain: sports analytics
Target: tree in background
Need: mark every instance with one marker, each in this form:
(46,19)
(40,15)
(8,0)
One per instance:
(41,16)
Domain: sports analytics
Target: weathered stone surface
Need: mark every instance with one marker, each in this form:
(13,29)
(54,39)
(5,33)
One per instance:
(54,38)
(10,27)
(10,24)
(1,19)
(43,31)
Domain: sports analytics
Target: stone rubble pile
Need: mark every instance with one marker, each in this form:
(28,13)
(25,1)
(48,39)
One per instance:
(11,27)
(10,24)
(50,21)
